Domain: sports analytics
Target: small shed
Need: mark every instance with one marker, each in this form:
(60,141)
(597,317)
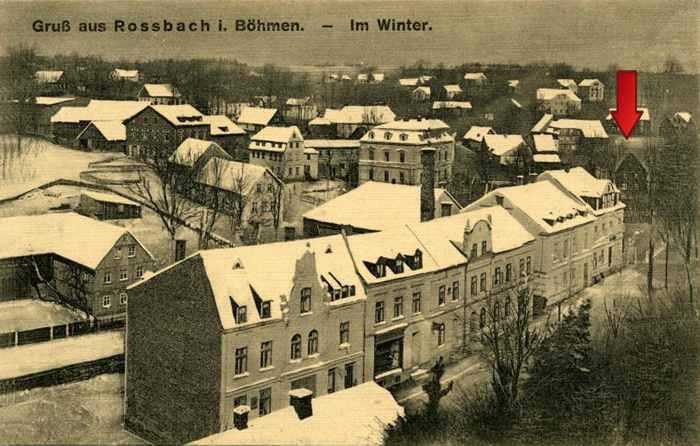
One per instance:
(103,206)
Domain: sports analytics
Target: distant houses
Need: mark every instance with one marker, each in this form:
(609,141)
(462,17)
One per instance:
(160,94)
(507,148)
(162,128)
(106,206)
(125,75)
(475,135)
(643,127)
(558,102)
(282,150)
(591,90)
(300,109)
(344,123)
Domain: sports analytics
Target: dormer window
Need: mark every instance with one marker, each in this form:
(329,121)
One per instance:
(381,270)
(336,295)
(370,135)
(242,315)
(387,135)
(403,137)
(345,291)
(352,290)
(398,266)
(265,311)
(418,260)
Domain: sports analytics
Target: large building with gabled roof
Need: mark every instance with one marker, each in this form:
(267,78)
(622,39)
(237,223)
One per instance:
(282,150)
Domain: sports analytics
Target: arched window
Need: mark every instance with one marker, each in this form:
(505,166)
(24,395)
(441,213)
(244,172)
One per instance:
(305,300)
(296,347)
(508,304)
(370,135)
(482,318)
(441,334)
(313,342)
(497,310)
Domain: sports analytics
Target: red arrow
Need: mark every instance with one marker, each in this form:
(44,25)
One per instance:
(626,114)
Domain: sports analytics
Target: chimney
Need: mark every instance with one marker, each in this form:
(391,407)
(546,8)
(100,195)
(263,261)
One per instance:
(240,417)
(300,399)
(427,188)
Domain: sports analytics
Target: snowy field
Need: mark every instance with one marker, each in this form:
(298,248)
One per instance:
(41,162)
(28,314)
(85,412)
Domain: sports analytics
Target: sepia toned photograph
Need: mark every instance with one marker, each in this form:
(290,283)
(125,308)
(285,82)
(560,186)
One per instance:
(350,222)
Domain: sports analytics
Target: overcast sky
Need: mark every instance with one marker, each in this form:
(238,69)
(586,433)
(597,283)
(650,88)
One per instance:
(584,33)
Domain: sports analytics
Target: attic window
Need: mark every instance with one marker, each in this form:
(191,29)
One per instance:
(549,221)
(377,269)
(329,250)
(242,315)
(560,219)
(345,291)
(387,135)
(223,128)
(352,290)
(336,295)
(370,135)
(499,200)
(403,137)
(238,265)
(265,311)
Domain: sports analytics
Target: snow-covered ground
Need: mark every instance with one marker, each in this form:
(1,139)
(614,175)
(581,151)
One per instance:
(35,358)
(28,314)
(43,162)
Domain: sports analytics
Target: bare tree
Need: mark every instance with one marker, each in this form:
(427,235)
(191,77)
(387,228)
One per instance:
(73,290)
(510,337)
(213,198)
(242,184)
(276,204)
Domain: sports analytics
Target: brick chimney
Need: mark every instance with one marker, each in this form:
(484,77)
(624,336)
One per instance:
(427,188)
(300,399)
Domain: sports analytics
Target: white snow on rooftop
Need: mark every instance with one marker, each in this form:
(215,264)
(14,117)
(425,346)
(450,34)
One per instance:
(99,110)
(547,94)
(438,105)
(477,133)
(546,158)
(159,90)
(69,235)
(566,82)
(111,130)
(579,182)
(332,143)
(256,115)
(375,206)
(545,143)
(409,82)
(221,125)
(645,114)
(278,134)
(474,76)
(191,149)
(453,88)
(502,144)
(109,198)
(588,82)
(232,175)
(684,116)
(589,128)
(48,77)
(45,100)
(179,115)
(355,416)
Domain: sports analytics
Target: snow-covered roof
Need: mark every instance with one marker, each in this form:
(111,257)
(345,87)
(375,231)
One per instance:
(474,76)
(645,114)
(99,110)
(378,77)
(375,206)
(278,134)
(256,115)
(502,144)
(158,90)
(125,73)
(221,125)
(425,78)
(513,83)
(476,133)
(111,130)
(366,411)
(332,143)
(589,128)
(108,198)
(179,115)
(310,151)
(546,158)
(68,235)
(547,94)
(297,101)
(409,82)
(515,102)
(424,90)
(48,77)
(543,124)
(411,131)
(362,77)
(191,149)
(243,274)
(232,175)
(588,82)
(549,207)
(566,82)
(360,114)
(682,115)
(45,100)
(579,182)
(345,77)
(545,143)
(438,105)
(453,88)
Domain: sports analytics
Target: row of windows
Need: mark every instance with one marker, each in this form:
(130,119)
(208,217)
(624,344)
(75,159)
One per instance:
(441,156)
(107,300)
(272,156)
(123,275)
(130,252)
(442,176)
(524,267)
(398,310)
(258,187)
(295,353)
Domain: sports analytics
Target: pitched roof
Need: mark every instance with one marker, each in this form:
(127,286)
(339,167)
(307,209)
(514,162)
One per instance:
(515,102)
(412,131)
(589,128)
(588,82)
(547,94)
(278,134)
(579,182)
(242,274)
(453,88)
(545,143)
(125,73)
(362,77)
(378,77)
(44,100)
(437,105)
(366,411)
(109,198)
(191,149)
(409,82)
(111,130)
(375,206)
(546,158)
(256,115)
(221,125)
(549,207)
(645,114)
(64,234)
(179,115)
(362,114)
(99,110)
(566,82)
(158,90)
(474,76)
(425,90)
(513,83)
(682,115)
(232,175)
(476,133)
(543,124)
(502,144)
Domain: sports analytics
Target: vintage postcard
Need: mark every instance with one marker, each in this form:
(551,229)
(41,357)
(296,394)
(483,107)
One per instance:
(349,222)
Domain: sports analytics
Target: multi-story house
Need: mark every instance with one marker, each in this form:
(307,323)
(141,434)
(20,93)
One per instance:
(591,90)
(337,158)
(56,245)
(577,138)
(558,102)
(159,94)
(282,150)
(507,149)
(568,84)
(269,319)
(391,152)
(571,247)
(643,127)
(162,128)
(603,198)
(475,136)
(228,135)
(300,109)
(350,120)
(677,122)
